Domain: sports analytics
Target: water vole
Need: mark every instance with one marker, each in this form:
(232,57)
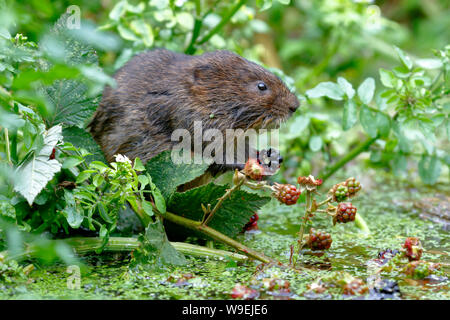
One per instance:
(159,91)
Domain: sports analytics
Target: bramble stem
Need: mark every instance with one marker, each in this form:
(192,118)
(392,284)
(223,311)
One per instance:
(8,150)
(361,224)
(221,200)
(216,235)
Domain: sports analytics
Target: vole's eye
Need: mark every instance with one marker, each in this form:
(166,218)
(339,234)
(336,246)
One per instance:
(262,86)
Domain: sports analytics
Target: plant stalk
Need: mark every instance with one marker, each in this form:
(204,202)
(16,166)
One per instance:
(83,245)
(302,227)
(347,158)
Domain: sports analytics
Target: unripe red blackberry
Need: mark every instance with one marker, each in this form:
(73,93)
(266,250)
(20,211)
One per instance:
(253,169)
(355,287)
(244,292)
(345,212)
(413,248)
(318,240)
(353,186)
(286,193)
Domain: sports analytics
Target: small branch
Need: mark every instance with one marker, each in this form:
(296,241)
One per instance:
(221,200)
(197,27)
(222,22)
(347,158)
(8,150)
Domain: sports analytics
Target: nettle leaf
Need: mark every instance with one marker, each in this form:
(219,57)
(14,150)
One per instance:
(429,169)
(38,170)
(326,89)
(167,175)
(234,213)
(366,90)
(155,249)
(80,138)
(350,116)
(72,106)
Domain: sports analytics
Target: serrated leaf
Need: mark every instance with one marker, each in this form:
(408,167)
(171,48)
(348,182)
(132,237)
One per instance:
(366,90)
(350,115)
(326,89)
(167,176)
(229,219)
(72,107)
(80,138)
(34,174)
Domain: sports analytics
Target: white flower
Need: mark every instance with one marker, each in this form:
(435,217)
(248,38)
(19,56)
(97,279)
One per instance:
(121,158)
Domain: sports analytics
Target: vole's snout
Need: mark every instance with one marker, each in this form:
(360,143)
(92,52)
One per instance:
(293,103)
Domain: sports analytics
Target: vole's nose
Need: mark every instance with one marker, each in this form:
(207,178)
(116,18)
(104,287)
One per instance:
(294,104)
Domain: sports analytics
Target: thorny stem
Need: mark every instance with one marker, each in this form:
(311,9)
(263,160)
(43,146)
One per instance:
(221,200)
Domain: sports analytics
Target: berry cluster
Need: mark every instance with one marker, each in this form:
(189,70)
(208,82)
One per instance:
(286,193)
(413,248)
(355,287)
(345,212)
(243,292)
(318,240)
(343,190)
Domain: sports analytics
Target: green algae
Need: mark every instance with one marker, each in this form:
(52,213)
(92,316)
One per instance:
(386,205)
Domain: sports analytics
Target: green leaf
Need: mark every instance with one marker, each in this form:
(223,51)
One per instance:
(429,63)
(404,58)
(147,207)
(73,217)
(35,173)
(126,33)
(429,169)
(366,90)
(160,203)
(350,115)
(185,20)
(229,219)
(315,143)
(346,87)
(72,107)
(103,213)
(84,175)
(387,78)
(155,249)
(326,89)
(144,29)
(71,162)
(285,2)
(368,121)
(118,11)
(167,176)
(80,138)
(383,124)
(138,166)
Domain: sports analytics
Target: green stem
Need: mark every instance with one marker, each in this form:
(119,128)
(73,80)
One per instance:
(197,27)
(302,227)
(361,224)
(347,158)
(119,244)
(216,235)
(222,22)
(8,150)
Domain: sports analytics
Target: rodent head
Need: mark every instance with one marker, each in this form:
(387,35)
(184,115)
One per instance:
(242,92)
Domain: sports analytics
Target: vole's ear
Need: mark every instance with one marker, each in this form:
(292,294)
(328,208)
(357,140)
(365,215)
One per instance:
(202,73)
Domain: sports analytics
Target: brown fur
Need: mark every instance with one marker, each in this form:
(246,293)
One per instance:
(159,91)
